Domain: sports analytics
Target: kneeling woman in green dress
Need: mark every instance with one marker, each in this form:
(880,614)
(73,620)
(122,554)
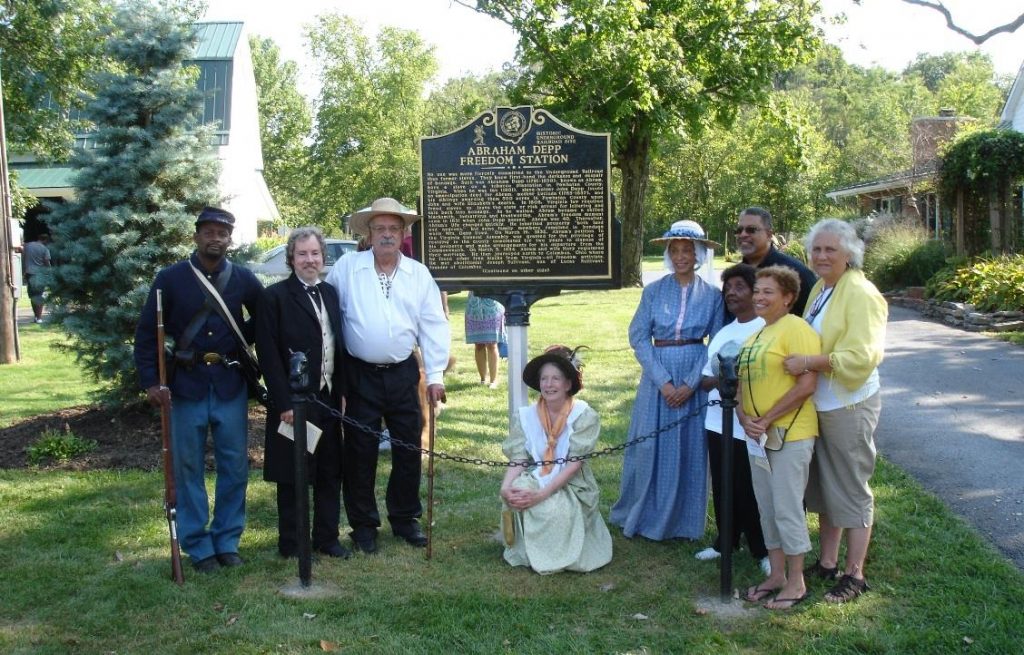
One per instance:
(551,518)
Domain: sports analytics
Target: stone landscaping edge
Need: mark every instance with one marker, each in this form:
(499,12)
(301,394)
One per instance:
(956,314)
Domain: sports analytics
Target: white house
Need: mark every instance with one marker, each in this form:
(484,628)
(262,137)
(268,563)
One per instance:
(1013,111)
(227,79)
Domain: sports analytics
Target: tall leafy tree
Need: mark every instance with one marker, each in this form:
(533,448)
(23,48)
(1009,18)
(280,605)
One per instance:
(286,122)
(370,114)
(461,99)
(48,49)
(138,191)
(641,68)
(774,155)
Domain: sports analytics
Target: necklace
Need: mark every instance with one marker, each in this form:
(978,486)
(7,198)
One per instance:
(386,281)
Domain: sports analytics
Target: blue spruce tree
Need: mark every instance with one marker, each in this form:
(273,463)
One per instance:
(138,192)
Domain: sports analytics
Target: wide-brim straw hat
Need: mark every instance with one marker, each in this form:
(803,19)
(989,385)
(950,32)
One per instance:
(687,230)
(564,358)
(359,222)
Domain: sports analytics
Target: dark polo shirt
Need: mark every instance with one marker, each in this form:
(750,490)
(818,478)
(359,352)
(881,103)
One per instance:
(807,279)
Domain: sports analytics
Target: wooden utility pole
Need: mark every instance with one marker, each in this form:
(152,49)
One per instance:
(8,324)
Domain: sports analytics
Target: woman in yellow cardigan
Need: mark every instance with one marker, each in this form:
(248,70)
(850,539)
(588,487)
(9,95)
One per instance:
(850,315)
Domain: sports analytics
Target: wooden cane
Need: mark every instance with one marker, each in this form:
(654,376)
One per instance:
(430,481)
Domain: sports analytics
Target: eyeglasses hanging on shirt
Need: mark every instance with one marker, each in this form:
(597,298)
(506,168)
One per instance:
(819,304)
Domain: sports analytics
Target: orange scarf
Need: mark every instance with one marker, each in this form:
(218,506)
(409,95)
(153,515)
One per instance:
(552,431)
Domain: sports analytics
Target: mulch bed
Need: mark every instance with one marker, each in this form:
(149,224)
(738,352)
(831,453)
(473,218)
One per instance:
(127,438)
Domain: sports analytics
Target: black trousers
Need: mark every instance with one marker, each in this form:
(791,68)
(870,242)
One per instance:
(325,478)
(746,520)
(392,394)
(326,515)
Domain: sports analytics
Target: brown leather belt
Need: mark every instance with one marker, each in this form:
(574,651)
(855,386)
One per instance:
(664,343)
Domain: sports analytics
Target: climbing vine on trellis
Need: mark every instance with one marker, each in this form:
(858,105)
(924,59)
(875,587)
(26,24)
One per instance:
(983,162)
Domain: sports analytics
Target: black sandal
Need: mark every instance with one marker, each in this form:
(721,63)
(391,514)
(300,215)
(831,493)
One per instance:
(816,570)
(848,588)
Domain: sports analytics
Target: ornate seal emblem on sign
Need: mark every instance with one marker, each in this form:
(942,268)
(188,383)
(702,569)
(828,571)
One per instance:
(513,123)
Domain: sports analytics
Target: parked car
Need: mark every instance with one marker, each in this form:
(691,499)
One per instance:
(272,264)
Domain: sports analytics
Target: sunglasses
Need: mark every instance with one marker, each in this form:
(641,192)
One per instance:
(749,229)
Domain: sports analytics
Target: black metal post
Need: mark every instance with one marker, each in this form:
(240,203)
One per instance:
(727,383)
(299,385)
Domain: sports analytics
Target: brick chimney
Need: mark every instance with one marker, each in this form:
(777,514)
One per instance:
(928,133)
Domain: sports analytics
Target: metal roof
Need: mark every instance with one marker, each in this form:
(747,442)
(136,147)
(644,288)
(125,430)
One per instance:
(217,40)
(899,180)
(33,176)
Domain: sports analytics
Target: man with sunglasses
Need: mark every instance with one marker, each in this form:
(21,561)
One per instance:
(754,240)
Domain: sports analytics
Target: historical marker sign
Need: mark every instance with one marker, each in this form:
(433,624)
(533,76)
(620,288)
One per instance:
(517,198)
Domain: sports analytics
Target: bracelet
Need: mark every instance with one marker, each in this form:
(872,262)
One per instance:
(806,370)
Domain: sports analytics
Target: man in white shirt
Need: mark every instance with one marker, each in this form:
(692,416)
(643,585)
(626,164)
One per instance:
(391,304)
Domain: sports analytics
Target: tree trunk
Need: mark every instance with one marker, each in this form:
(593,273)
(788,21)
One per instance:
(634,161)
(8,326)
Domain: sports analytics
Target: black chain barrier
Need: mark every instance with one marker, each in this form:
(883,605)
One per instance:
(476,461)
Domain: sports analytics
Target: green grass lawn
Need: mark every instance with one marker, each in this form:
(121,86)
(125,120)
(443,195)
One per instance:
(44,380)
(84,566)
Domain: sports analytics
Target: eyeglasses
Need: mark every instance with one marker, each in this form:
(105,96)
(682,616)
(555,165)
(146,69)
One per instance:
(749,229)
(386,229)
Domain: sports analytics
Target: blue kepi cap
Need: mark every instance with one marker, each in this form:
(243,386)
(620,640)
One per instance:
(215,215)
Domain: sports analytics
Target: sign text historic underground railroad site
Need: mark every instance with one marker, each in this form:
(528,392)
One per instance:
(517,197)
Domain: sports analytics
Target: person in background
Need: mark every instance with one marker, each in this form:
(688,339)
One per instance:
(778,417)
(754,240)
(301,314)
(485,327)
(209,393)
(850,315)
(664,480)
(551,517)
(391,304)
(738,290)
(35,259)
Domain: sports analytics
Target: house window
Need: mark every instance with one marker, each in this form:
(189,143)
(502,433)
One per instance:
(215,85)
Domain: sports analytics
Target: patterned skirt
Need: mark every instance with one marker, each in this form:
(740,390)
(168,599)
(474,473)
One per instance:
(485,320)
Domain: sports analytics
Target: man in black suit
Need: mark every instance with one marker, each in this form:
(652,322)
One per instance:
(302,314)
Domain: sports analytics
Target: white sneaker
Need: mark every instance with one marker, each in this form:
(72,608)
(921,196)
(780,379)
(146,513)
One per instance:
(708,553)
(766,566)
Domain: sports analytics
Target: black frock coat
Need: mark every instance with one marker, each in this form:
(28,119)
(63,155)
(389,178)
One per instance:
(287,322)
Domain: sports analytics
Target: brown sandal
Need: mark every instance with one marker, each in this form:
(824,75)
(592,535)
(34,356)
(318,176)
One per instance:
(848,588)
(816,570)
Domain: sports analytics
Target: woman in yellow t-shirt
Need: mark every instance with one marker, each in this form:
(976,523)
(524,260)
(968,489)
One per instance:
(772,403)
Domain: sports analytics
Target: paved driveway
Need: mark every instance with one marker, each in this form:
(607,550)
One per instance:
(953,418)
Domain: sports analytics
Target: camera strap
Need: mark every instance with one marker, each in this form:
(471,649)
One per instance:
(750,389)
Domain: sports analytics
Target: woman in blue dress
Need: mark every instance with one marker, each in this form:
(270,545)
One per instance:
(664,480)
